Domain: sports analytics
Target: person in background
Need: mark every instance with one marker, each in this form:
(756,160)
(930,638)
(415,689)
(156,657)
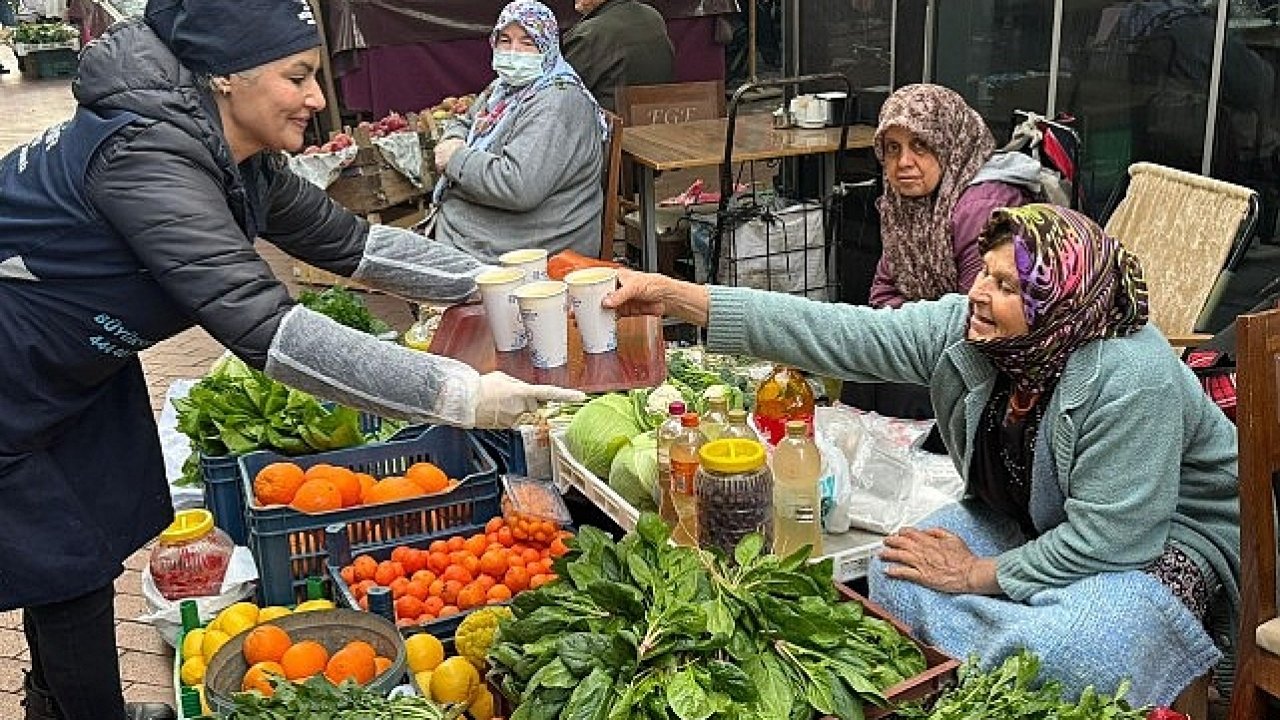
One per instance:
(619,43)
(136,220)
(8,19)
(523,167)
(1102,520)
(943,177)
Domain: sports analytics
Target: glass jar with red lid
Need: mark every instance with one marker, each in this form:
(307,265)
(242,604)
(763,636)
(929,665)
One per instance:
(192,556)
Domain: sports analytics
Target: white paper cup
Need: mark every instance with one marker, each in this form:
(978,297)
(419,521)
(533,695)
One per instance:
(500,307)
(543,309)
(533,261)
(598,326)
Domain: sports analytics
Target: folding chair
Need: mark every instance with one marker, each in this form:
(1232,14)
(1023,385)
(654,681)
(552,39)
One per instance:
(1190,232)
(1258,419)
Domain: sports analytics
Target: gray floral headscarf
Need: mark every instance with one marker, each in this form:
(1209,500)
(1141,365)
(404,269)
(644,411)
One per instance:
(916,232)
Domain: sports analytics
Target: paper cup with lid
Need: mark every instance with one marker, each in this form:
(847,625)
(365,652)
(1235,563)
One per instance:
(532,260)
(500,307)
(598,325)
(543,307)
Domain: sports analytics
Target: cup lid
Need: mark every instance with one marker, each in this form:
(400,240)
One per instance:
(732,455)
(499,276)
(188,525)
(540,289)
(833,95)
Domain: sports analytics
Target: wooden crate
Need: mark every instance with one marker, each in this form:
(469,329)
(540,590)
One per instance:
(370,183)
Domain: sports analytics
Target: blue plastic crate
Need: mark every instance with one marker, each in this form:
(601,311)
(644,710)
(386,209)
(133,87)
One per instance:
(224,494)
(507,449)
(289,545)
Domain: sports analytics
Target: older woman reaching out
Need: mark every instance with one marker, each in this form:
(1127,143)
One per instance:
(523,167)
(1102,519)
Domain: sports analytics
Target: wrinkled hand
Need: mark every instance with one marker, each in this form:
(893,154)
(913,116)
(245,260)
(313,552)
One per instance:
(503,399)
(445,150)
(638,294)
(934,558)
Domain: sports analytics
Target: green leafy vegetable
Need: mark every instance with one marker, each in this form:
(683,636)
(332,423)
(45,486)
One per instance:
(236,410)
(345,307)
(600,429)
(644,629)
(319,699)
(634,471)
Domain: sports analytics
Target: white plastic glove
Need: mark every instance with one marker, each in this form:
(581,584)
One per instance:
(503,399)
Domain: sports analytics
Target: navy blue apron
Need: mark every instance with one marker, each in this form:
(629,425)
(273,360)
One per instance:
(82,482)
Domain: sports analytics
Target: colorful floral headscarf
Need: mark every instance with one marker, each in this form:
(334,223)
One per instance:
(1078,285)
(916,232)
(504,101)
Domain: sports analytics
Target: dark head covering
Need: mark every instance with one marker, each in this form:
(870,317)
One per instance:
(916,232)
(220,37)
(1078,285)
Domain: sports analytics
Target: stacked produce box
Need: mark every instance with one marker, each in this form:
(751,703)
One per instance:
(46,50)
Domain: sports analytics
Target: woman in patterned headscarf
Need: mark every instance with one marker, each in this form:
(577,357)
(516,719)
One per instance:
(942,180)
(1102,512)
(522,169)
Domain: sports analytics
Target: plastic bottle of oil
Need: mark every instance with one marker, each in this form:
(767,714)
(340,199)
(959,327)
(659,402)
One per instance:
(784,395)
(684,473)
(797,500)
(668,431)
(716,418)
(737,427)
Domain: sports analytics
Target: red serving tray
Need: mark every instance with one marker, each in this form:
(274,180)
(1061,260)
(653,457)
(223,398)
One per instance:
(640,360)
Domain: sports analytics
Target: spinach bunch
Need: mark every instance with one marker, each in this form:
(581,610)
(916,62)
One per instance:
(1011,692)
(236,410)
(318,699)
(646,629)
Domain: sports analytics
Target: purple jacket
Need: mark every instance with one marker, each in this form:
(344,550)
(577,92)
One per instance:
(968,218)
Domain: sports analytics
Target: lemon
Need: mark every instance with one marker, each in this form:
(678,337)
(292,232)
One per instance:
(237,623)
(454,680)
(481,707)
(423,652)
(192,671)
(242,612)
(271,612)
(213,639)
(204,704)
(423,681)
(191,643)
(311,605)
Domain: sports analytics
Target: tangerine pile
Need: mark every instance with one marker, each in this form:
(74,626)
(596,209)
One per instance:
(454,575)
(272,653)
(324,487)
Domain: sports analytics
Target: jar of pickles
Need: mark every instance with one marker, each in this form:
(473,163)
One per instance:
(735,493)
(192,556)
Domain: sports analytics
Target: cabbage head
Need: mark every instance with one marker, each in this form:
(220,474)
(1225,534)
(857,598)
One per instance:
(599,429)
(634,473)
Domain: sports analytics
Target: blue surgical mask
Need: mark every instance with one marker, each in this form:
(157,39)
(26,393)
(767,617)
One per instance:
(517,68)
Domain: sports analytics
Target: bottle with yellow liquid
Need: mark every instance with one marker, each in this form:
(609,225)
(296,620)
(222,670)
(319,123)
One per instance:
(797,499)
(684,473)
(668,431)
(784,395)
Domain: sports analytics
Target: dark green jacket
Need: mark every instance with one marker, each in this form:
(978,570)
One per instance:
(622,42)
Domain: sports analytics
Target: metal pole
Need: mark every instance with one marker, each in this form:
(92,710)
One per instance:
(1055,60)
(893,45)
(930,11)
(751,40)
(1215,80)
(326,69)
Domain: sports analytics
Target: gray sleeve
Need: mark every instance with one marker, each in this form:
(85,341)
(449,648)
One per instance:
(848,342)
(303,221)
(547,143)
(406,264)
(313,353)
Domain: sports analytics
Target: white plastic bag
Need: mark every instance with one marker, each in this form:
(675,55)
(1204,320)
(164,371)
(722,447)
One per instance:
(166,616)
(176,447)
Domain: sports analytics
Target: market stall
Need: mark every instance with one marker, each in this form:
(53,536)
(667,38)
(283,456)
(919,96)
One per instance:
(445,42)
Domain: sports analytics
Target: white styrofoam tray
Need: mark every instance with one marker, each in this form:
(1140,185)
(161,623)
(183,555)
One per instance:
(851,551)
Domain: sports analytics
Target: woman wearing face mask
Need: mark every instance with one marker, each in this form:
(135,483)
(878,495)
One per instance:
(1102,516)
(136,220)
(523,167)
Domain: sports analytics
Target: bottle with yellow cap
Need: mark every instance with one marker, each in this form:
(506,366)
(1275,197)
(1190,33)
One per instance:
(191,556)
(735,493)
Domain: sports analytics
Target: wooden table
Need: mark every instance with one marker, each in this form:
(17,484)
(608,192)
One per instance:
(654,148)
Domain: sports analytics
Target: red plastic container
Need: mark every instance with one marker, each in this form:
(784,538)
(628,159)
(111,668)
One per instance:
(191,558)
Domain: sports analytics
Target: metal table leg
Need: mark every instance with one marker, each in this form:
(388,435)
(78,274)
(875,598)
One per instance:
(648,219)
